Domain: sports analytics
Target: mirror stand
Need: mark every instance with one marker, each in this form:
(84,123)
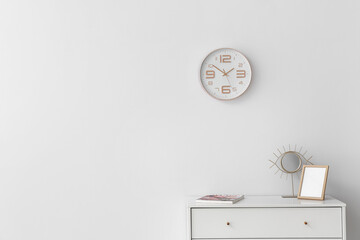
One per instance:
(293,192)
(289,162)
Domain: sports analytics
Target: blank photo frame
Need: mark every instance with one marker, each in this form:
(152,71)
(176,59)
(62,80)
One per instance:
(313,182)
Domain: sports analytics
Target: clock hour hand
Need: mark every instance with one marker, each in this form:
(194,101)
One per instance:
(228,72)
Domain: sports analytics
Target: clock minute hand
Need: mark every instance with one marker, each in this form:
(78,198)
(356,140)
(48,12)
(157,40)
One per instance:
(218,69)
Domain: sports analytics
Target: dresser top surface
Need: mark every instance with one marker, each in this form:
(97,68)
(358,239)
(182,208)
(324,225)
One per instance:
(272,201)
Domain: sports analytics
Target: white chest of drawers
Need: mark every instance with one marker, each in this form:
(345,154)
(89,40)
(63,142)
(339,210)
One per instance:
(268,217)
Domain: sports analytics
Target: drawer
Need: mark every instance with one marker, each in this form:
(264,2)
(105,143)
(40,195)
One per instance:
(266,223)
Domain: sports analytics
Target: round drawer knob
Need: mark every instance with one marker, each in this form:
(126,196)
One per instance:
(306,223)
(228,223)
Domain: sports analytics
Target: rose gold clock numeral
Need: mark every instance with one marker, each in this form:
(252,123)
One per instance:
(225,89)
(225,58)
(240,73)
(210,74)
(210,83)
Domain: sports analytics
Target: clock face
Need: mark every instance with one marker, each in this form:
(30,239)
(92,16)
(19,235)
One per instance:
(225,74)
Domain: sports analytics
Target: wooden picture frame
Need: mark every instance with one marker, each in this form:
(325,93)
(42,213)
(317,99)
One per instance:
(313,182)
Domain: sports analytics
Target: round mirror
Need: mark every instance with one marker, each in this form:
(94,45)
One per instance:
(291,162)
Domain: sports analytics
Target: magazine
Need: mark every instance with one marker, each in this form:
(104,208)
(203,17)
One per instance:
(218,198)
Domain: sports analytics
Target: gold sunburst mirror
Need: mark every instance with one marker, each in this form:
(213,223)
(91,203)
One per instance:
(289,161)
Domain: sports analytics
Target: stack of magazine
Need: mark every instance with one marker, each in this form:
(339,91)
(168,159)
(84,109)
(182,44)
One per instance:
(227,199)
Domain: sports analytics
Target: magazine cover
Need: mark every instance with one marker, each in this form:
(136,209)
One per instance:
(221,198)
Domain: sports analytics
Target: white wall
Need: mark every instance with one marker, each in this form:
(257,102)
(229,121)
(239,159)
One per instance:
(105,130)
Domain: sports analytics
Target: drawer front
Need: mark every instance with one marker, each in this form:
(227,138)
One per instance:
(266,223)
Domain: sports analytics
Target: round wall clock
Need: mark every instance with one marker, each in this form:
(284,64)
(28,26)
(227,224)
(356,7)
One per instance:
(225,74)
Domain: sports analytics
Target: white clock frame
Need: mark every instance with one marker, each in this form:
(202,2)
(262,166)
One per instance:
(249,73)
